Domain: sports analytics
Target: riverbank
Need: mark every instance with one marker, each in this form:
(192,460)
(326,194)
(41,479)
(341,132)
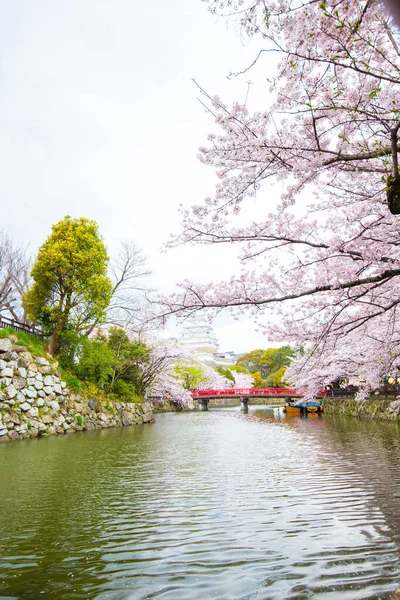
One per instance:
(386,409)
(35,401)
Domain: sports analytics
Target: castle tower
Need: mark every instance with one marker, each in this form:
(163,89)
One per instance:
(199,336)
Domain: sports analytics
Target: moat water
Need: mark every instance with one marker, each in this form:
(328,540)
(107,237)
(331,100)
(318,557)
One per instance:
(220,505)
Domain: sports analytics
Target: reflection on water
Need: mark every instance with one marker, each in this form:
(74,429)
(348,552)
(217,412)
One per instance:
(220,505)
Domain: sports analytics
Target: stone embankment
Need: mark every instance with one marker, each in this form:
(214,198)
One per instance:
(34,401)
(371,408)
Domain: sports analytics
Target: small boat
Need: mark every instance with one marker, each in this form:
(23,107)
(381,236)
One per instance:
(298,408)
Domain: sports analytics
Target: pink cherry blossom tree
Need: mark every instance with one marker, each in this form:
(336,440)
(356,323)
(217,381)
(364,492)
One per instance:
(158,373)
(322,268)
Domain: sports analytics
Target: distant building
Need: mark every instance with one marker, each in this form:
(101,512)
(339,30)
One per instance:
(199,336)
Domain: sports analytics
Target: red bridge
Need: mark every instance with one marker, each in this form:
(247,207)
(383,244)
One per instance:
(203,396)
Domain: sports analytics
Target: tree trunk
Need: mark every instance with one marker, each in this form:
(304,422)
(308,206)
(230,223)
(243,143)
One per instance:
(55,338)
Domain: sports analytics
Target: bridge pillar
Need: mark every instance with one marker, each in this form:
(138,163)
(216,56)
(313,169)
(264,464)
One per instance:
(203,403)
(244,404)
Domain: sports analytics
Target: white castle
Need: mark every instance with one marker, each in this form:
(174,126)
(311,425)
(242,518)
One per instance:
(199,336)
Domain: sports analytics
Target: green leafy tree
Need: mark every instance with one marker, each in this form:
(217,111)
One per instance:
(258,381)
(132,357)
(251,360)
(275,379)
(239,369)
(97,362)
(274,359)
(191,376)
(267,366)
(226,372)
(71,290)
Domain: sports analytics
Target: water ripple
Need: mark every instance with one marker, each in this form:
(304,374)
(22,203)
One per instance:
(220,505)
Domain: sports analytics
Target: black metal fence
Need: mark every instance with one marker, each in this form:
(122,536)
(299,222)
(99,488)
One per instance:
(6,323)
(388,391)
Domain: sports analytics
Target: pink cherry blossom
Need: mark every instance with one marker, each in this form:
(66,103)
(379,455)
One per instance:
(322,268)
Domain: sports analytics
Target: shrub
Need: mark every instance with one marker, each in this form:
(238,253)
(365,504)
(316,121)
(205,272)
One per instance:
(96,363)
(72,382)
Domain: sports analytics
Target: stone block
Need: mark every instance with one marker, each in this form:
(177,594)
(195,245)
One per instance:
(11,391)
(18,348)
(5,345)
(54,405)
(40,402)
(19,382)
(89,426)
(57,389)
(7,371)
(9,356)
(38,385)
(33,412)
(13,435)
(148,417)
(31,392)
(42,361)
(48,380)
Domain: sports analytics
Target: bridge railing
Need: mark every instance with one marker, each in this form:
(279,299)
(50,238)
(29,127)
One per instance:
(249,392)
(6,323)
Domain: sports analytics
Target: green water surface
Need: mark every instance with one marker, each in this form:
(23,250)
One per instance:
(220,505)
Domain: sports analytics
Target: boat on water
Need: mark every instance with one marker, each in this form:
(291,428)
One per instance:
(298,408)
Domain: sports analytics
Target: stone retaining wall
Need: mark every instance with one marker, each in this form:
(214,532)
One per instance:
(34,401)
(371,408)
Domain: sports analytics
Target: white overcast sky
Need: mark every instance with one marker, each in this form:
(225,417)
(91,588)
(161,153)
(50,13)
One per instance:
(99,118)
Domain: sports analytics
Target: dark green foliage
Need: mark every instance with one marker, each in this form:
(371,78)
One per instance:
(123,390)
(114,362)
(97,362)
(393,194)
